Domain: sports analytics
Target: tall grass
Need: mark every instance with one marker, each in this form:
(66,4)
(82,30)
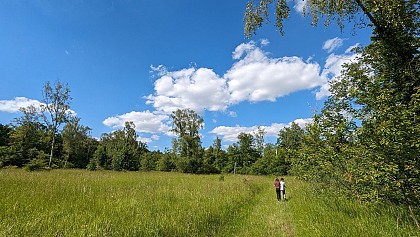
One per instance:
(107,203)
(320,213)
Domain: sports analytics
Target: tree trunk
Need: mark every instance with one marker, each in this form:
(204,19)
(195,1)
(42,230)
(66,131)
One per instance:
(52,150)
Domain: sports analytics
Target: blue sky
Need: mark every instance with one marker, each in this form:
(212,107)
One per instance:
(139,60)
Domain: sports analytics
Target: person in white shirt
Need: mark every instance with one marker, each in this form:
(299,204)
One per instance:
(283,189)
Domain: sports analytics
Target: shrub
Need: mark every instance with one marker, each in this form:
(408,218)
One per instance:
(36,164)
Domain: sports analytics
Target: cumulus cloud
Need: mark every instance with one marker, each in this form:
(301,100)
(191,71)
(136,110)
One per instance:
(145,122)
(13,106)
(257,77)
(230,134)
(198,89)
(332,44)
(333,68)
(253,77)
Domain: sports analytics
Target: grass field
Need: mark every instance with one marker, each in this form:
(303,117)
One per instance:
(107,203)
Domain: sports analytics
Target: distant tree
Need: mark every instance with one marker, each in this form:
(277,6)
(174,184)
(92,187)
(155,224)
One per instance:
(5,134)
(234,159)
(209,160)
(78,146)
(167,162)
(186,124)
(247,149)
(272,162)
(149,160)
(219,155)
(100,159)
(5,131)
(56,109)
(259,140)
(118,150)
(28,139)
(290,138)
(242,154)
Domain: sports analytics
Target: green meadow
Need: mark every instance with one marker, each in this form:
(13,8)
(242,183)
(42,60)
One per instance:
(109,203)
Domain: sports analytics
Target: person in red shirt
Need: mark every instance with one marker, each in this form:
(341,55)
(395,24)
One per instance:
(277,186)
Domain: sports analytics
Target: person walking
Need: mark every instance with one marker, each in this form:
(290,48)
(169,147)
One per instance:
(282,189)
(277,186)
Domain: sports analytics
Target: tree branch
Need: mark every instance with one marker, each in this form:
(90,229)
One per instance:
(371,17)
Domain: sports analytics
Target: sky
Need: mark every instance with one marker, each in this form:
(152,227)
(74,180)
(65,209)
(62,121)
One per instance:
(127,60)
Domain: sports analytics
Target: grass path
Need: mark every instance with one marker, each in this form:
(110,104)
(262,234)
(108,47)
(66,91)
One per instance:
(270,215)
(264,217)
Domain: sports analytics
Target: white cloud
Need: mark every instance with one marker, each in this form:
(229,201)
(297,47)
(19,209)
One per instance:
(198,89)
(230,134)
(13,106)
(300,6)
(333,68)
(232,114)
(257,77)
(154,137)
(146,121)
(265,42)
(332,44)
(324,91)
(349,50)
(253,77)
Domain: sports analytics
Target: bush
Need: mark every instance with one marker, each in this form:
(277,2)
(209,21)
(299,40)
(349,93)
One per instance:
(36,164)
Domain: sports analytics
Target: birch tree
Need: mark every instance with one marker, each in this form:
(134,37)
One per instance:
(55,109)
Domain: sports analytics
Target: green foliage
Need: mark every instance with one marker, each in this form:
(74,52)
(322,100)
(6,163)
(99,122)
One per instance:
(38,163)
(166,162)
(149,161)
(256,15)
(100,159)
(5,134)
(186,124)
(55,109)
(78,147)
(118,150)
(365,140)
(27,139)
(383,15)
(274,162)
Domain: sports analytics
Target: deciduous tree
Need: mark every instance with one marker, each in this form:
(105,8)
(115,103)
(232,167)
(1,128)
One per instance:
(186,123)
(56,109)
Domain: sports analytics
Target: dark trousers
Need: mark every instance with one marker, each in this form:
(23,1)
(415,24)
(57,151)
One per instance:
(278,194)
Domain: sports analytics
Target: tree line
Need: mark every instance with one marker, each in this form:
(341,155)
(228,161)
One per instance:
(37,141)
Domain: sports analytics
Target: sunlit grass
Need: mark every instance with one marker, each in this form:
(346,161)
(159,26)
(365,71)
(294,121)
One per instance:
(107,203)
(316,213)
(83,203)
